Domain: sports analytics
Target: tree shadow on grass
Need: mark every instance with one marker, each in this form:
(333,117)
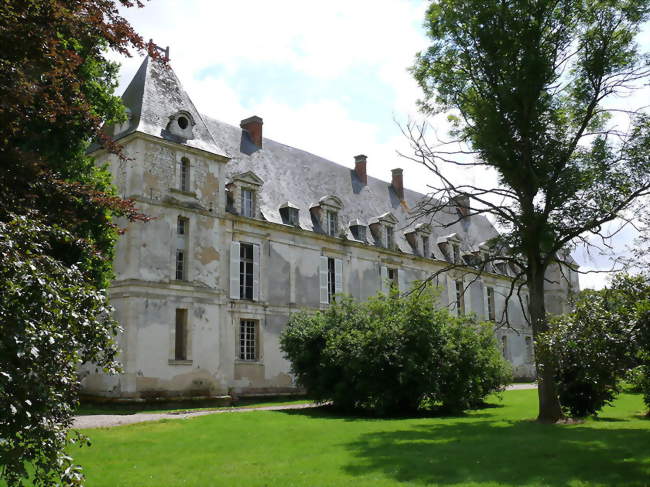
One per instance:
(508,453)
(329,412)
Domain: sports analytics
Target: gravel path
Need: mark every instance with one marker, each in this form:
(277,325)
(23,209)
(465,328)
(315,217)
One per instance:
(108,420)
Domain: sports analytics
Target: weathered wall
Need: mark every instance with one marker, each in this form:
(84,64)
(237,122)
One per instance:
(146,294)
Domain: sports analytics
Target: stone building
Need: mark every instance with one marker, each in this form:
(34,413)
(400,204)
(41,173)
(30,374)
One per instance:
(247,230)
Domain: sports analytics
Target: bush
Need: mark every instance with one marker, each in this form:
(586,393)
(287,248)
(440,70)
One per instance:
(393,355)
(591,352)
(633,379)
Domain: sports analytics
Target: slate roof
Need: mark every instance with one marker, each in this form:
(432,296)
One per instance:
(289,174)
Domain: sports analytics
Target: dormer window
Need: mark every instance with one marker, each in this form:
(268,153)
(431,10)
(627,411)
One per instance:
(246,194)
(426,249)
(181,125)
(332,223)
(247,202)
(456,253)
(383,230)
(390,237)
(325,214)
(358,230)
(290,214)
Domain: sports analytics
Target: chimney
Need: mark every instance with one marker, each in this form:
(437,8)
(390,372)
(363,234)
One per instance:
(398,183)
(253,125)
(360,168)
(462,204)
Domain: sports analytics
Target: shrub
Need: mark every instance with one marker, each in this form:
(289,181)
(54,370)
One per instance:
(590,348)
(393,355)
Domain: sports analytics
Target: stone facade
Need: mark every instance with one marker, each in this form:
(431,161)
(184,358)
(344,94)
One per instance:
(246,231)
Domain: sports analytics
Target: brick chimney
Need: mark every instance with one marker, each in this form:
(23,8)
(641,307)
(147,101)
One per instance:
(253,125)
(360,168)
(398,183)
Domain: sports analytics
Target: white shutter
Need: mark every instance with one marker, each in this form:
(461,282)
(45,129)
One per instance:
(486,306)
(256,272)
(323,280)
(383,274)
(338,271)
(401,280)
(467,289)
(234,270)
(451,293)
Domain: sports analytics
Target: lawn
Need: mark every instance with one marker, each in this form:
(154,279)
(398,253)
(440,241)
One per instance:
(498,445)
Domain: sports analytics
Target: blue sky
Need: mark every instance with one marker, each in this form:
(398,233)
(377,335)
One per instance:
(327,77)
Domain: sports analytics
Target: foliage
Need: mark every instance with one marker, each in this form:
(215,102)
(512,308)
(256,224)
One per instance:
(56,210)
(52,319)
(594,347)
(526,83)
(393,355)
(318,447)
(633,381)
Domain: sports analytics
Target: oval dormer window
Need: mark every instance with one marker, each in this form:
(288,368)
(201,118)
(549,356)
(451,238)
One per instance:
(183,122)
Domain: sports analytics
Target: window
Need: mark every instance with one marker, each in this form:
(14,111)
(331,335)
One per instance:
(426,251)
(180,345)
(246,271)
(491,305)
(390,237)
(331,280)
(180,265)
(292,214)
(392,278)
(184,181)
(359,232)
(247,203)
(504,346)
(248,340)
(332,223)
(183,122)
(182,231)
(456,255)
(181,226)
(460,297)
(529,349)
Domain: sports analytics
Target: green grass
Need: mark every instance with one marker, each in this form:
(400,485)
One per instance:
(495,446)
(89,409)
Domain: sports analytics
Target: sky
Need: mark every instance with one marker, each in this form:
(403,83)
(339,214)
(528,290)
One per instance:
(327,77)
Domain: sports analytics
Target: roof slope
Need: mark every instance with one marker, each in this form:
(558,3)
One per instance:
(304,178)
(154,95)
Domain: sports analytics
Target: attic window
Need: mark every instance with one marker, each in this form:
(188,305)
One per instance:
(390,237)
(332,223)
(290,214)
(183,122)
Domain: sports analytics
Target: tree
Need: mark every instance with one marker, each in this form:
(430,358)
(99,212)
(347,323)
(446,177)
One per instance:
(526,83)
(56,229)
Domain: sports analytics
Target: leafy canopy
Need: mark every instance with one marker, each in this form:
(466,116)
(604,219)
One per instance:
(529,85)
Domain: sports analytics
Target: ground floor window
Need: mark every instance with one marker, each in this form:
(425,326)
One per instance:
(248,340)
(180,345)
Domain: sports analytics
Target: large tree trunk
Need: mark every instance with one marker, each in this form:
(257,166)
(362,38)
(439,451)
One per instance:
(549,403)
